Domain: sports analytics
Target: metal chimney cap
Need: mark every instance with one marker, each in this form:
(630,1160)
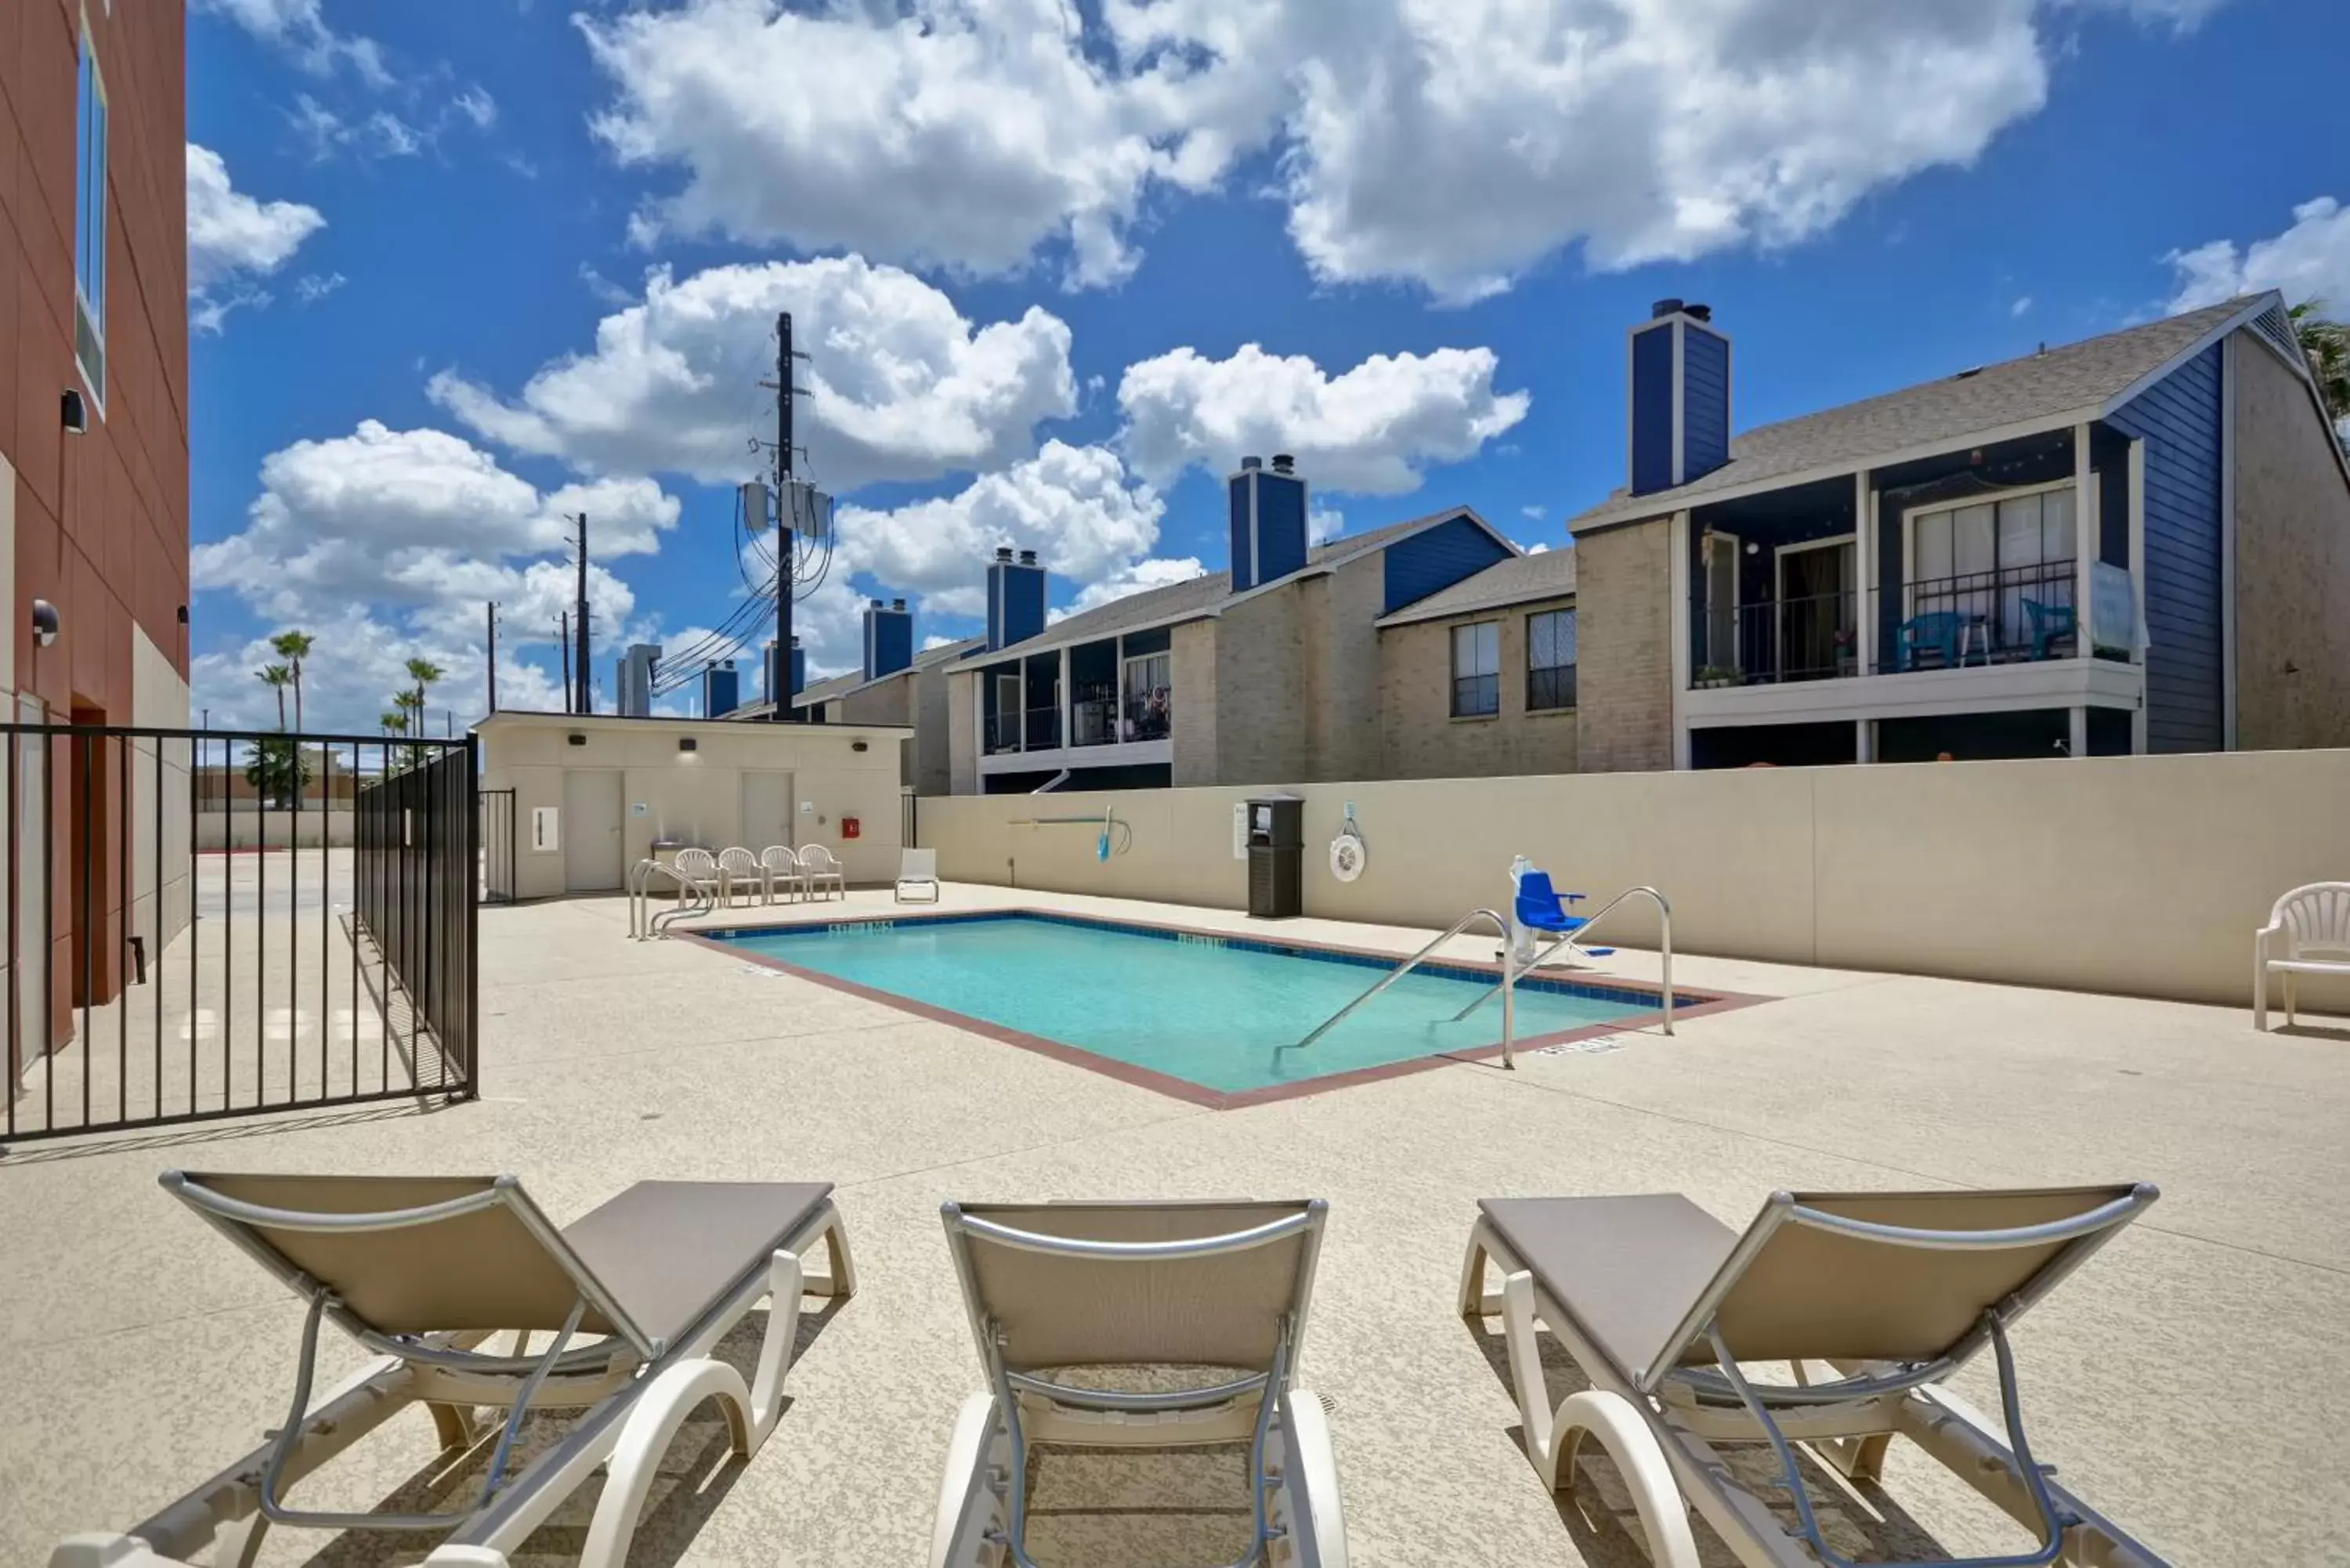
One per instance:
(1283,463)
(876,604)
(898,607)
(1249,462)
(1027,558)
(1698,311)
(1664,308)
(1004,552)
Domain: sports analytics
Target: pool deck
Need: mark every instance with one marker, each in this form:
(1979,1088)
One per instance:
(2182,1381)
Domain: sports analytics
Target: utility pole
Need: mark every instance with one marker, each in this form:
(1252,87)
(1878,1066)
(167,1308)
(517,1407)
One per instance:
(585,704)
(563,641)
(493,656)
(783,707)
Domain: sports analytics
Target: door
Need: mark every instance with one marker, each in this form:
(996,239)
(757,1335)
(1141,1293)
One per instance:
(766,811)
(1723,655)
(1815,610)
(591,830)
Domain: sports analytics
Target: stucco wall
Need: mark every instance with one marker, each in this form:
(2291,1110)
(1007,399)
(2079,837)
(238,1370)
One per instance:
(697,797)
(2292,564)
(2035,872)
(1422,740)
(1623,647)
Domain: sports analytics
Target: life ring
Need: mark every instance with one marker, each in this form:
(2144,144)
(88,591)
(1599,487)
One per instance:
(1346,856)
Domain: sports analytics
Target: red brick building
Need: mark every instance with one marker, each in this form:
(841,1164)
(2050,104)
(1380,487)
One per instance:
(93,333)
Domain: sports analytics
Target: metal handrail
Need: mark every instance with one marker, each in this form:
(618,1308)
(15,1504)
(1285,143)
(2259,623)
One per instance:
(1576,936)
(643,924)
(1509,1003)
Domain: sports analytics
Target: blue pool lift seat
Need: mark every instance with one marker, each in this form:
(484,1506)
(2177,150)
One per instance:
(1540,908)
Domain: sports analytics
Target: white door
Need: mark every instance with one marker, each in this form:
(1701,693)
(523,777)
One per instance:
(591,830)
(766,811)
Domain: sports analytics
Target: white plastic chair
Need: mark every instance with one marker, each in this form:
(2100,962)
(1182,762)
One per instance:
(817,867)
(782,870)
(694,871)
(2312,920)
(918,869)
(739,869)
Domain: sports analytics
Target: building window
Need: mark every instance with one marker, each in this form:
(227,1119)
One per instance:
(1477,670)
(1550,659)
(2001,570)
(1145,708)
(89,223)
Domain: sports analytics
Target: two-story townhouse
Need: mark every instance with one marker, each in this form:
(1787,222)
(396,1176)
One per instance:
(1479,679)
(2136,544)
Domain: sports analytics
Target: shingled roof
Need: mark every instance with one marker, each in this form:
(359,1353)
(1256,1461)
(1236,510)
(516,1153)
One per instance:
(2039,386)
(1521,579)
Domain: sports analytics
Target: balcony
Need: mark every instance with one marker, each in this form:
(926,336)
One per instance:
(1119,707)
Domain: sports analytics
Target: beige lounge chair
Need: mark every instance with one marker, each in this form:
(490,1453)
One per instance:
(1663,1306)
(1218,1289)
(424,1270)
(918,869)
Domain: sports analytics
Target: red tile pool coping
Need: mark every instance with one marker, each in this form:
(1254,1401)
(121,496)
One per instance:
(1707,1002)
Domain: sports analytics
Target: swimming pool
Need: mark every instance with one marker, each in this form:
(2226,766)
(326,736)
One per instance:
(1188,1013)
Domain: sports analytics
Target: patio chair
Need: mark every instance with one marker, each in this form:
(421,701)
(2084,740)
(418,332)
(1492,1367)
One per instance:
(783,869)
(2312,920)
(1664,1309)
(1540,907)
(1070,1303)
(695,872)
(817,867)
(1937,631)
(918,869)
(424,1270)
(2050,623)
(739,869)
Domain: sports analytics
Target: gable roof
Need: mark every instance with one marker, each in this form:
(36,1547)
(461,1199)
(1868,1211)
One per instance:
(1209,592)
(1521,579)
(2077,377)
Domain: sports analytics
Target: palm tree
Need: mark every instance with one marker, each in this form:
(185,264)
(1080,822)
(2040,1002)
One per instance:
(293,647)
(2327,343)
(276,676)
(424,672)
(394,723)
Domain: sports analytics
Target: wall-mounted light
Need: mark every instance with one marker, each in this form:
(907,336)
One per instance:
(856,745)
(688,743)
(74,414)
(45,623)
(576,739)
(183,614)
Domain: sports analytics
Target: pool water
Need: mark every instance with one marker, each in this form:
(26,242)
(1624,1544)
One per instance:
(1208,1011)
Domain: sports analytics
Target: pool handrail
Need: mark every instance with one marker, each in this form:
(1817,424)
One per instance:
(1581,933)
(1509,1001)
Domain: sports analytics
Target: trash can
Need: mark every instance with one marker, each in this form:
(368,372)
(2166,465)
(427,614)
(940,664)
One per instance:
(1276,856)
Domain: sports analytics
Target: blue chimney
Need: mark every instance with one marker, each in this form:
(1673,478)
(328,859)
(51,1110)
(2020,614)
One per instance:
(1681,396)
(1015,599)
(888,638)
(770,666)
(721,689)
(1268,521)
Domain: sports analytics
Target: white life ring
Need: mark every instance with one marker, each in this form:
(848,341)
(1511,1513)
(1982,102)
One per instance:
(1346,856)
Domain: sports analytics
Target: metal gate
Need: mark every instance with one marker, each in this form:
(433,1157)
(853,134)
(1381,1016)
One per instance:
(212,923)
(497,846)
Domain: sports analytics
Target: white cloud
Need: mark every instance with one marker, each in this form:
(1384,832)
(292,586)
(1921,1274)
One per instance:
(2311,260)
(380,134)
(1138,577)
(234,240)
(2022,306)
(312,287)
(1076,506)
(1456,145)
(296,26)
(1323,523)
(903,387)
(1533,514)
(1368,431)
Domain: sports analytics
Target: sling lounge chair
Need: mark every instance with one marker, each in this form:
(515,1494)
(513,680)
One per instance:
(425,1269)
(918,869)
(1218,1289)
(1664,1308)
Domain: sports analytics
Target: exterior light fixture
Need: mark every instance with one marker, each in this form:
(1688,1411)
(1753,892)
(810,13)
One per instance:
(856,745)
(688,743)
(45,622)
(576,739)
(74,414)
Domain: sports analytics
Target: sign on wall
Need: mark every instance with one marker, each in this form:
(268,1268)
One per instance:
(544,820)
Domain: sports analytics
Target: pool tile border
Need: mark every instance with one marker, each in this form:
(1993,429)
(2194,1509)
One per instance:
(724,939)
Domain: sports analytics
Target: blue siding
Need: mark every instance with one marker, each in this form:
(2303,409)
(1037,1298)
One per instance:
(1652,409)
(799,672)
(1705,402)
(2178,419)
(1436,558)
(889,642)
(1016,604)
(721,689)
(1243,571)
(1280,525)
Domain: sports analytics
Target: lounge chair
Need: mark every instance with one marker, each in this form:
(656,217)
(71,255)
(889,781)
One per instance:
(783,869)
(1663,1306)
(918,869)
(2314,923)
(817,867)
(1218,1289)
(738,871)
(424,1270)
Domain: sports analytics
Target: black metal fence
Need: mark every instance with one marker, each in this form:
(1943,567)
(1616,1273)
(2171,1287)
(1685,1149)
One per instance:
(212,923)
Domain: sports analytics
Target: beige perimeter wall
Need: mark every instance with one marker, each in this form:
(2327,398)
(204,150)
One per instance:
(2140,875)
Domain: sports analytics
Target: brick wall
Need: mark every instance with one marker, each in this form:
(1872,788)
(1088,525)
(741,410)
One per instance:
(1192,674)
(1345,703)
(2292,564)
(1624,587)
(963,733)
(1260,689)
(1421,739)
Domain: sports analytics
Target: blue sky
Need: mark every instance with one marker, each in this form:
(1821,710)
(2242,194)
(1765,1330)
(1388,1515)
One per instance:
(462,269)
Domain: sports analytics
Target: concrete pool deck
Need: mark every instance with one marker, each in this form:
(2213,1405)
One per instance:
(2181,1382)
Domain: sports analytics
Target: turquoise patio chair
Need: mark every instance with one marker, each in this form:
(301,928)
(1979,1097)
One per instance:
(1936,629)
(2049,622)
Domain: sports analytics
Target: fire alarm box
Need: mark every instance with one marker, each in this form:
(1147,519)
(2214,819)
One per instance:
(848,828)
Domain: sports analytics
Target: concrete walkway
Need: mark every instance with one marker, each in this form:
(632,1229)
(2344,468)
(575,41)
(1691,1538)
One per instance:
(2180,1382)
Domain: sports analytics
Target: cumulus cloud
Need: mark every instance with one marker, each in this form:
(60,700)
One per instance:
(296,27)
(902,386)
(235,240)
(359,659)
(1138,576)
(2310,260)
(1076,506)
(1370,430)
(1454,145)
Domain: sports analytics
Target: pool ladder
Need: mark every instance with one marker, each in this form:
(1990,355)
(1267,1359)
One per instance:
(1507,984)
(645,923)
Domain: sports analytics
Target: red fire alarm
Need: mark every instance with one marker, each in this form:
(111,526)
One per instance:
(848,828)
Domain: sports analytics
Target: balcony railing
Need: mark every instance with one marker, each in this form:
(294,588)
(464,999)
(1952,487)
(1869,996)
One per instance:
(2013,614)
